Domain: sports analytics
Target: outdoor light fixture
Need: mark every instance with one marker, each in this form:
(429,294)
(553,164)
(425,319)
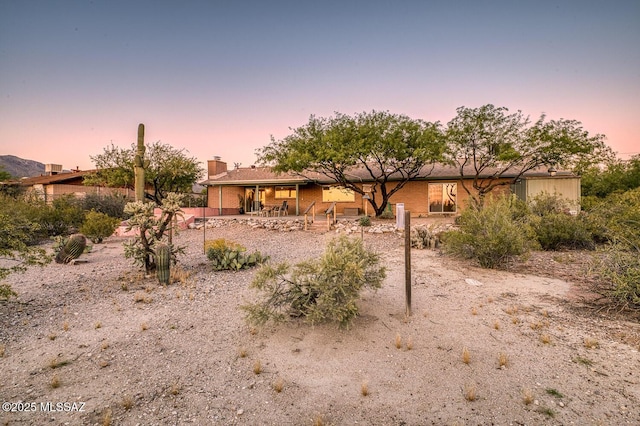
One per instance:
(552,171)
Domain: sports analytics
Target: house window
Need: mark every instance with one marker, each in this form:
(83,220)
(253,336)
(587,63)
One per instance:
(285,192)
(337,193)
(442,197)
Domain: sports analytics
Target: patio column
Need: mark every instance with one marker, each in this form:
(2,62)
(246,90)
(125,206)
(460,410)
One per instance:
(219,200)
(256,200)
(297,199)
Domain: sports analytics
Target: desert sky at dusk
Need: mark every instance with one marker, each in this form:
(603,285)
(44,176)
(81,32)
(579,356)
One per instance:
(221,77)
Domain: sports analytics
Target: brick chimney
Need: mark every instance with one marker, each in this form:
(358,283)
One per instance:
(216,166)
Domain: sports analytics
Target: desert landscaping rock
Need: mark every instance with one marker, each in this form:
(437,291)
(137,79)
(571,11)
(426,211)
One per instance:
(139,353)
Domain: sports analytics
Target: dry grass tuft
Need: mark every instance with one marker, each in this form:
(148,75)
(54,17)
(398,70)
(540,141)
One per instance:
(55,382)
(144,326)
(512,310)
(278,385)
(175,389)
(179,275)
(2,350)
(398,341)
(503,359)
(466,355)
(515,320)
(104,345)
(257,367)
(409,343)
(242,352)
(496,325)
(590,343)
(142,297)
(97,325)
(364,388)
(65,326)
(127,402)
(545,338)
(527,396)
(318,420)
(470,393)
(474,311)
(56,363)
(107,417)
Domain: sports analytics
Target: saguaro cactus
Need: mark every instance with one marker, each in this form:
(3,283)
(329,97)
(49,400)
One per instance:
(163,262)
(139,165)
(72,249)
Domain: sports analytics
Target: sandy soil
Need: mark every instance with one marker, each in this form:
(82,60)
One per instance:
(122,350)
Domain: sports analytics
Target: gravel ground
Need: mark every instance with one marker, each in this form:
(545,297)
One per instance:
(481,346)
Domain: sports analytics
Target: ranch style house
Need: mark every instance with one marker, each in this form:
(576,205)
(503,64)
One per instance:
(259,190)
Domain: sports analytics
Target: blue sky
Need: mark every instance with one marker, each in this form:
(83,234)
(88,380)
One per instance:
(221,77)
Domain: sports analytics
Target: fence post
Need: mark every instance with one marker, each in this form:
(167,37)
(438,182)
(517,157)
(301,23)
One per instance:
(407,261)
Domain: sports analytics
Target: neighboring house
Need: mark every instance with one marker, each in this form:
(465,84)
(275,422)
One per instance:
(56,183)
(439,192)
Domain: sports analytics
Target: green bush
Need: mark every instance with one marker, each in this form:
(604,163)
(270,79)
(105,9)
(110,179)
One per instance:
(489,234)
(111,204)
(555,231)
(620,269)
(225,255)
(619,215)
(98,226)
(556,228)
(6,292)
(364,221)
(317,290)
(16,234)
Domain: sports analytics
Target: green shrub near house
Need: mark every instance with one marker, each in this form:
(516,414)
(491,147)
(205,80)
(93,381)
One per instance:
(98,226)
(228,255)
(490,234)
(317,290)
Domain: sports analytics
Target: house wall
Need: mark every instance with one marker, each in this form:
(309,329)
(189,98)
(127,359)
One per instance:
(567,188)
(50,192)
(230,202)
(414,195)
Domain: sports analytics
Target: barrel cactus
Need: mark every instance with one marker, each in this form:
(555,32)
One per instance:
(163,262)
(73,248)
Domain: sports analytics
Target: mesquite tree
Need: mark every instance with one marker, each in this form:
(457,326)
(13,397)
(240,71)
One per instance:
(387,150)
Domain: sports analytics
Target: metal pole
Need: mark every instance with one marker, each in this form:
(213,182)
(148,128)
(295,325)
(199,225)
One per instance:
(407,261)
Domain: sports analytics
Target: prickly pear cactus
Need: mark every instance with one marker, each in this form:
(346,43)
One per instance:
(163,263)
(72,249)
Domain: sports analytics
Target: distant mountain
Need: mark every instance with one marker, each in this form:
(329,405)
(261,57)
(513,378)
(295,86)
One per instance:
(19,167)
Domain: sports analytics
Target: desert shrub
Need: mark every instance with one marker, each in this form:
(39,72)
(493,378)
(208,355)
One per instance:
(619,215)
(560,230)
(619,267)
(387,214)
(111,204)
(6,292)
(225,255)
(98,226)
(545,203)
(556,228)
(318,290)
(489,234)
(364,221)
(16,253)
(424,237)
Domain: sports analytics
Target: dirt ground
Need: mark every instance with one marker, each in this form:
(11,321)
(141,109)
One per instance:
(482,347)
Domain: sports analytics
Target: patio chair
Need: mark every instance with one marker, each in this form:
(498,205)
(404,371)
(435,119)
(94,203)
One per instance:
(281,210)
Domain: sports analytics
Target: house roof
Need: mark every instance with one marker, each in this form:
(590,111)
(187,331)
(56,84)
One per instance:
(57,178)
(266,176)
